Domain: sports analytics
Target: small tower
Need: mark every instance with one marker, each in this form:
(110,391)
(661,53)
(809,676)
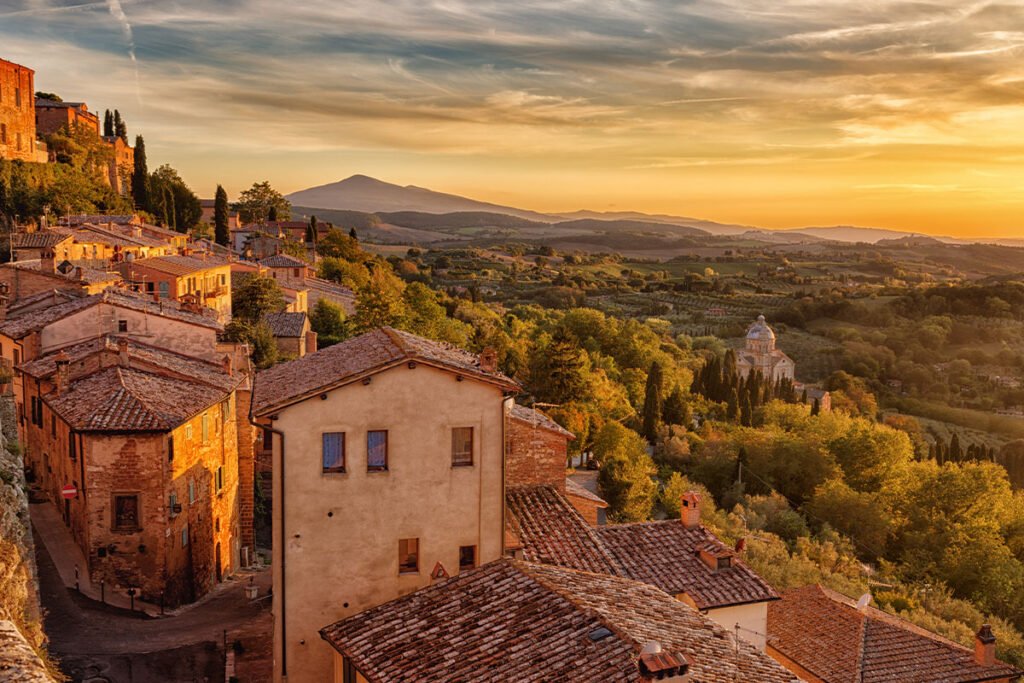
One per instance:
(689,509)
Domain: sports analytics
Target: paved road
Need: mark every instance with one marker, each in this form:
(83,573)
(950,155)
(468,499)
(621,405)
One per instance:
(98,643)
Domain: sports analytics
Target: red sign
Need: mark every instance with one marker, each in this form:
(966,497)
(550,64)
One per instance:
(69,491)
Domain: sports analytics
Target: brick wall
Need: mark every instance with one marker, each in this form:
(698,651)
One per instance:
(534,455)
(17,112)
(246,471)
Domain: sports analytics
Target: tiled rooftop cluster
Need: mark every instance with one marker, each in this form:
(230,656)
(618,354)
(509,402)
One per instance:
(517,621)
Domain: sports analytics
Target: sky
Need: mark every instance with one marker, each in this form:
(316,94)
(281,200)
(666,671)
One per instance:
(887,113)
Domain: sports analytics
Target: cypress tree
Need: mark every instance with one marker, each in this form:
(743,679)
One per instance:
(815,408)
(272,213)
(675,409)
(311,230)
(352,234)
(108,124)
(652,402)
(118,124)
(732,407)
(746,413)
(956,454)
(140,176)
(221,234)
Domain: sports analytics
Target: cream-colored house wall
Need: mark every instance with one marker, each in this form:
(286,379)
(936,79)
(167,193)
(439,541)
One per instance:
(752,619)
(168,333)
(342,530)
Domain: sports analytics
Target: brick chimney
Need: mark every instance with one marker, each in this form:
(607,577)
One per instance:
(48,262)
(63,376)
(489,360)
(228,365)
(656,664)
(985,646)
(122,353)
(689,509)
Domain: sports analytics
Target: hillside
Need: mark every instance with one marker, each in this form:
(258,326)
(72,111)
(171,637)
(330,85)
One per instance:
(362,193)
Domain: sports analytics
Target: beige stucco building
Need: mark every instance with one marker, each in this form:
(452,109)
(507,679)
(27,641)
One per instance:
(388,474)
(760,355)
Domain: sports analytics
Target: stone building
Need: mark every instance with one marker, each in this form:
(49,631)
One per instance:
(28,278)
(203,281)
(121,165)
(17,115)
(209,206)
(52,116)
(148,439)
(388,473)
(292,332)
(297,274)
(759,354)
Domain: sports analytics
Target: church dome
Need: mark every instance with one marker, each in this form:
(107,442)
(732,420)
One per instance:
(760,330)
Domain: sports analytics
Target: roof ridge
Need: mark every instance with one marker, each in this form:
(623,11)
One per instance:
(393,335)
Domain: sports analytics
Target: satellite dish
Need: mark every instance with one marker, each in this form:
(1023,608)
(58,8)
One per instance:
(863,601)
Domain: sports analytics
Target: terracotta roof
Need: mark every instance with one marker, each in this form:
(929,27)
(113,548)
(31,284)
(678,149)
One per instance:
(283,261)
(35,320)
(141,356)
(573,488)
(664,554)
(368,353)
(825,633)
(550,530)
(119,234)
(121,399)
(40,239)
(332,291)
(515,621)
(75,274)
(538,419)
(286,324)
(97,218)
(177,265)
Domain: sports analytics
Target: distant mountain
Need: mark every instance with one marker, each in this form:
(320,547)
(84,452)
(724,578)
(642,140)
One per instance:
(709,226)
(589,225)
(362,193)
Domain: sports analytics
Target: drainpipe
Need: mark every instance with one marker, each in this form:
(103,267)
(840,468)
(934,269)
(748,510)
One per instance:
(504,453)
(284,582)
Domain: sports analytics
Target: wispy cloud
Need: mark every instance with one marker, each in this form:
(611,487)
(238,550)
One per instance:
(811,101)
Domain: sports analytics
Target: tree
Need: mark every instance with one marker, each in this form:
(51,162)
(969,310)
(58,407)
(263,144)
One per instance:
(352,234)
(120,129)
(108,124)
(337,244)
(329,322)
(311,230)
(53,97)
(652,402)
(625,473)
(140,176)
(263,346)
(255,204)
(172,201)
(221,234)
(816,408)
(676,410)
(272,214)
(256,297)
(380,302)
(559,371)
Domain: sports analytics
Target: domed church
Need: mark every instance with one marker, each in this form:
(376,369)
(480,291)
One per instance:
(760,354)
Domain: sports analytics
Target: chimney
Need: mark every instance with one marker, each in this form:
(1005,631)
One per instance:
(656,664)
(985,646)
(48,262)
(228,365)
(689,509)
(63,376)
(122,353)
(489,360)
(78,273)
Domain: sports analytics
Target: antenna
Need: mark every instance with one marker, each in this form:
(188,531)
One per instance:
(863,602)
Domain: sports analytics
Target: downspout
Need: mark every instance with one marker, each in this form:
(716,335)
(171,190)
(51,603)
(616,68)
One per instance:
(504,454)
(279,503)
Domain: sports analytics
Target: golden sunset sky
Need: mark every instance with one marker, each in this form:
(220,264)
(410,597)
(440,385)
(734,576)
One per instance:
(885,113)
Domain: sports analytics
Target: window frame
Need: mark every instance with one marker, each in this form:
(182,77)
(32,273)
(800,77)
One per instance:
(472,449)
(334,469)
(114,516)
(377,468)
(463,566)
(403,566)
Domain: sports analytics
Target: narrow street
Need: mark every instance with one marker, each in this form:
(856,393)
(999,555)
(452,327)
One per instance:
(95,643)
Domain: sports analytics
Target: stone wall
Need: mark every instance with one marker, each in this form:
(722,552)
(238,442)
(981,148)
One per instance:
(19,589)
(17,112)
(534,455)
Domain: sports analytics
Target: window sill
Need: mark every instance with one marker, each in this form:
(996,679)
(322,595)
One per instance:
(376,469)
(335,470)
(409,572)
(456,465)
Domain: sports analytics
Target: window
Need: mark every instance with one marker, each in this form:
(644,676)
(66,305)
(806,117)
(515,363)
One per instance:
(72,452)
(409,556)
(172,503)
(191,491)
(188,432)
(170,449)
(3,133)
(184,536)
(17,356)
(19,141)
(333,453)
(126,512)
(122,325)
(295,272)
(225,409)
(462,446)
(17,97)
(218,478)
(206,428)
(724,562)
(53,424)
(467,557)
(377,450)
